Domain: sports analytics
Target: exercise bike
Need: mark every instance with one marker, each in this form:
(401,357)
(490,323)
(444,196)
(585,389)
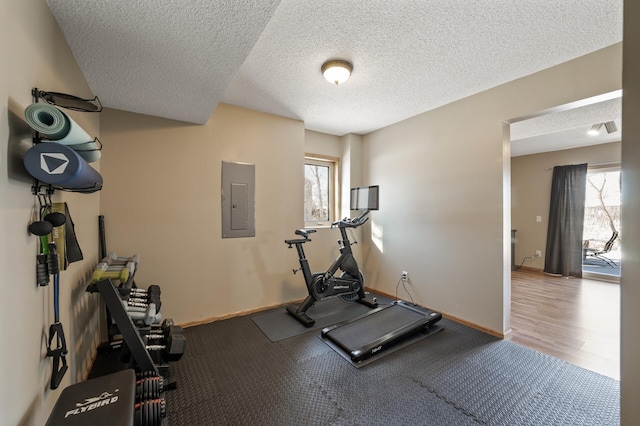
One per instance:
(323,285)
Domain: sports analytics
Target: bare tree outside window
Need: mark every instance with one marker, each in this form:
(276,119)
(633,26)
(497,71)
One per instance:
(602,209)
(605,188)
(319,190)
(316,185)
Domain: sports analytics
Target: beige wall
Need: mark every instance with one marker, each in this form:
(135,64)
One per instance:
(443,215)
(531,192)
(630,279)
(322,143)
(35,54)
(162,201)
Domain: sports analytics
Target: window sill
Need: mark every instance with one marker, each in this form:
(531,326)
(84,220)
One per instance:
(319,226)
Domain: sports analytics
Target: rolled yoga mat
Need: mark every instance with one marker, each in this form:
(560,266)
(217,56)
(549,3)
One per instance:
(62,167)
(57,126)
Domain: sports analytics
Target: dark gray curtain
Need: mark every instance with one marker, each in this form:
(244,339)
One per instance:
(566,219)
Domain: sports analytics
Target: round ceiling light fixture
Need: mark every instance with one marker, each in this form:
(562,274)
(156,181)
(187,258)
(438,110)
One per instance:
(594,130)
(336,71)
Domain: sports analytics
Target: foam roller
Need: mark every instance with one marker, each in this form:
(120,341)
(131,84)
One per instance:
(62,167)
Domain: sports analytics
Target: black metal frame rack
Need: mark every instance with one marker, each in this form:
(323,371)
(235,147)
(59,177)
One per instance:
(130,335)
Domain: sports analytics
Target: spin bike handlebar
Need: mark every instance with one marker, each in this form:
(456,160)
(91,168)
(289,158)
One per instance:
(352,223)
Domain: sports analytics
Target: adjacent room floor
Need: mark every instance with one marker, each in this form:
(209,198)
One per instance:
(577,320)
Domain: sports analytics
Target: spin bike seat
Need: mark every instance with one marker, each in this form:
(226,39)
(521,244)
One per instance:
(303,232)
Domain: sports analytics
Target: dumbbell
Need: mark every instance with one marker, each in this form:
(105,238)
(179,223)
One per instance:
(141,304)
(173,348)
(152,291)
(162,335)
(142,292)
(151,295)
(143,296)
(164,328)
(146,316)
(103,271)
(142,299)
(155,328)
(113,259)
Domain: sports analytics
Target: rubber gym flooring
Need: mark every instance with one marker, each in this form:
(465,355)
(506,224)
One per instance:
(232,374)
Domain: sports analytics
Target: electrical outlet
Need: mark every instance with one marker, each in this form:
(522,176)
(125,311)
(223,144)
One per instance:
(405,275)
(538,253)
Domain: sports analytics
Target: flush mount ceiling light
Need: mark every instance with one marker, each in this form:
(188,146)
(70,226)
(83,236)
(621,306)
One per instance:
(595,129)
(336,71)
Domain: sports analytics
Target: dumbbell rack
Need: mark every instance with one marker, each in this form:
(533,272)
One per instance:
(128,330)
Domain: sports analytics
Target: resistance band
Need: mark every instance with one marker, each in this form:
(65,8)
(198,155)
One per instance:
(48,263)
(59,354)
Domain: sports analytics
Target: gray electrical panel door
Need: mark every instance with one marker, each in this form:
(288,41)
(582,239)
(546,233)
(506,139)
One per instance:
(238,200)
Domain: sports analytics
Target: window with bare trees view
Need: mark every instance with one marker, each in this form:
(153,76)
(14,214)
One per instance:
(319,196)
(602,219)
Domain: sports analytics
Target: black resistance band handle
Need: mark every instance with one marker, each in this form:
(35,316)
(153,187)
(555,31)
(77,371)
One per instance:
(59,354)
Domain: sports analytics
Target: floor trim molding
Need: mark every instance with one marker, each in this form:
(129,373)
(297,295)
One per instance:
(209,320)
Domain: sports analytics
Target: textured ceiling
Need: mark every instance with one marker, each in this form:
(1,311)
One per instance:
(167,58)
(566,129)
(179,58)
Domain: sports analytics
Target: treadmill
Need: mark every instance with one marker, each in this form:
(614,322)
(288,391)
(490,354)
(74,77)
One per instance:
(365,335)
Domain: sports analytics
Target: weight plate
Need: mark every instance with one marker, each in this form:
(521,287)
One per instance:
(147,414)
(156,414)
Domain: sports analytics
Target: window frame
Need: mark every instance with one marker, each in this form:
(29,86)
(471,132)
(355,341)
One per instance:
(597,169)
(334,188)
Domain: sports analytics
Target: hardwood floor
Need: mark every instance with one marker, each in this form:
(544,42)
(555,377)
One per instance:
(577,320)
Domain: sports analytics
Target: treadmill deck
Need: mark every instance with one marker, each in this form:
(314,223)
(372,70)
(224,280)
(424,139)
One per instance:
(375,330)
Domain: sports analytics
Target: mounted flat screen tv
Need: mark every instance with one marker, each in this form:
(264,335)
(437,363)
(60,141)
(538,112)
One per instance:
(364,198)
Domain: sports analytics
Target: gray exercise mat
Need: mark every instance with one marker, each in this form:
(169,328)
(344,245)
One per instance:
(277,324)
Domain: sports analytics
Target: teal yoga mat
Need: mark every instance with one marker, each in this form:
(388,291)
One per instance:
(58,127)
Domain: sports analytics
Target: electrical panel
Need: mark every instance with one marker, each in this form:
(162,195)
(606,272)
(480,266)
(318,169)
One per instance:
(238,200)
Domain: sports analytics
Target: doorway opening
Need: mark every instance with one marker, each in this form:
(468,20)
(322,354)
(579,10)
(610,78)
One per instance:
(533,298)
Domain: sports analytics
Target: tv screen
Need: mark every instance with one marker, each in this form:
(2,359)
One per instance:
(364,198)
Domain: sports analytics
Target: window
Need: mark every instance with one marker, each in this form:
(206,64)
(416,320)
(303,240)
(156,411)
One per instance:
(320,175)
(602,220)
